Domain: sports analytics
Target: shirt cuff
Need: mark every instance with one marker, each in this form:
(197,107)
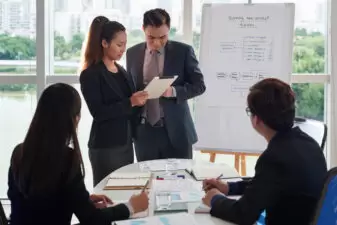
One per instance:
(174,92)
(215,198)
(131,210)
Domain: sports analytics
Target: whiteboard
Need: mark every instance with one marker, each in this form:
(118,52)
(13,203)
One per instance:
(240,45)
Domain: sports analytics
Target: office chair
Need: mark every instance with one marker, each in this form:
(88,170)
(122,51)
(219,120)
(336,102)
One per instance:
(326,211)
(315,129)
(3,218)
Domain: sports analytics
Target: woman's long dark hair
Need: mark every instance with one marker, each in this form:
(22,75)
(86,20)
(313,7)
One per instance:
(44,162)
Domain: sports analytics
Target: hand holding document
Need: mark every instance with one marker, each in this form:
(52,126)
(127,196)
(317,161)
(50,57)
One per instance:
(139,98)
(158,86)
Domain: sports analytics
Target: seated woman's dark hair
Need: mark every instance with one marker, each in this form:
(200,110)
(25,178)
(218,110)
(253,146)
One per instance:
(44,161)
(273,101)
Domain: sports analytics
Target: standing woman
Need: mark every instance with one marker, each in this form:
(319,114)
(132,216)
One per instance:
(110,95)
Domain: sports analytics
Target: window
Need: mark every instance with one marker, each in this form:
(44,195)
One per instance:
(72,21)
(18,103)
(17,37)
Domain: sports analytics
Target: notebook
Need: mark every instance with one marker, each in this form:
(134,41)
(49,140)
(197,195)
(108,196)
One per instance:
(125,184)
(133,175)
(213,171)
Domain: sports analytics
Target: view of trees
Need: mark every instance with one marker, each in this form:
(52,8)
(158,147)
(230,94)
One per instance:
(309,51)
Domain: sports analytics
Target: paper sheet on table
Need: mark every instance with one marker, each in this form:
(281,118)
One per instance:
(179,185)
(172,219)
(158,86)
(162,166)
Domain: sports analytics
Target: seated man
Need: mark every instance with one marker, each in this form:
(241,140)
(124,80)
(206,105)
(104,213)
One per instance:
(289,175)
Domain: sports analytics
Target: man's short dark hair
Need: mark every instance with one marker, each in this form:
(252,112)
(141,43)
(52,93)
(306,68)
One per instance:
(273,101)
(156,18)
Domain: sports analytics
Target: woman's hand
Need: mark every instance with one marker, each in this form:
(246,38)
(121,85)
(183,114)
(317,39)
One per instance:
(139,98)
(100,201)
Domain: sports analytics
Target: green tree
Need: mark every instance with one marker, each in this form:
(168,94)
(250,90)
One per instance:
(16,48)
(61,48)
(76,43)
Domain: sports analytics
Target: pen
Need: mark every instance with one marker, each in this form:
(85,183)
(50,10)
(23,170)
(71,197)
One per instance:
(218,178)
(147,183)
(207,187)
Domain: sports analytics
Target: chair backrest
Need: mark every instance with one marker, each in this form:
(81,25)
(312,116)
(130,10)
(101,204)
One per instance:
(316,129)
(3,218)
(326,211)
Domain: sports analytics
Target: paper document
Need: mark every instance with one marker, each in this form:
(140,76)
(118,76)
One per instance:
(172,219)
(179,185)
(158,86)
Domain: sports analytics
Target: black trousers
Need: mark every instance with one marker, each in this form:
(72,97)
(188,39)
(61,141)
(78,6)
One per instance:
(106,160)
(154,143)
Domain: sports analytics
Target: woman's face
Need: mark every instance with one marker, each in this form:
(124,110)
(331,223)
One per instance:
(116,48)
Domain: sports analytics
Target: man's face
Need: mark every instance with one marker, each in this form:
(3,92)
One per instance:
(156,37)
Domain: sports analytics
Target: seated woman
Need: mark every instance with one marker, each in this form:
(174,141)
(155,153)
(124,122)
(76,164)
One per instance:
(46,175)
(290,173)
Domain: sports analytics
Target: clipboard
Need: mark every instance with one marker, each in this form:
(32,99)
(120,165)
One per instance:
(158,86)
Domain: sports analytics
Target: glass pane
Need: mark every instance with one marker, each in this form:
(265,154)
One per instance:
(17,37)
(310,100)
(72,21)
(83,137)
(18,102)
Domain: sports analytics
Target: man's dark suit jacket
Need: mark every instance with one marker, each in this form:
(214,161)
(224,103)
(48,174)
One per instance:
(289,178)
(58,208)
(179,60)
(111,110)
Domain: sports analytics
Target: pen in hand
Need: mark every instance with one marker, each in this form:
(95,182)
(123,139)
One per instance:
(145,186)
(209,186)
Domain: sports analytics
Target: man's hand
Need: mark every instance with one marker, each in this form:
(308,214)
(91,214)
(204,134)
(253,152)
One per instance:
(168,93)
(209,195)
(214,183)
(100,201)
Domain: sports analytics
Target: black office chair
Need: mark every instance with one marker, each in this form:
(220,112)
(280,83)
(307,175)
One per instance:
(3,218)
(327,206)
(316,129)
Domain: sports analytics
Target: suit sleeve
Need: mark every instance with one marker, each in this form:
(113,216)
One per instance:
(263,190)
(237,188)
(90,87)
(194,80)
(85,210)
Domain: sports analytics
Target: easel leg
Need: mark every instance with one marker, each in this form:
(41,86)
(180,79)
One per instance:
(212,157)
(237,162)
(243,165)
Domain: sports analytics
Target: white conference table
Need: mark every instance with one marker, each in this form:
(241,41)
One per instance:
(124,195)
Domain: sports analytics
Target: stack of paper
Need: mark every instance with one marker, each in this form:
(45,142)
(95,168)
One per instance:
(127,181)
(133,175)
(172,219)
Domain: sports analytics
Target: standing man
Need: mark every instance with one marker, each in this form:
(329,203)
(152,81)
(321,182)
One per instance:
(165,129)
